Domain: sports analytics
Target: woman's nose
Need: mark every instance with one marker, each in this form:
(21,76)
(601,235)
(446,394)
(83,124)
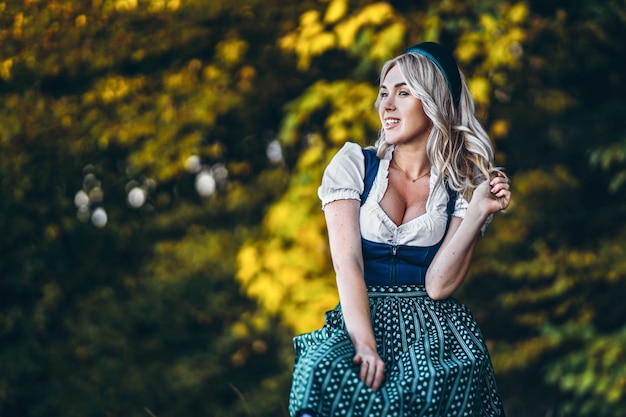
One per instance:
(389,103)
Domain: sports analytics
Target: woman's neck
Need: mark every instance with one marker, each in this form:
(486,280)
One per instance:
(413,161)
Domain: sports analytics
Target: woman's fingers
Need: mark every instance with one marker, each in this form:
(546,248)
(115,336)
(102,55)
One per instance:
(500,189)
(374,373)
(378,377)
(372,370)
(364,369)
(499,184)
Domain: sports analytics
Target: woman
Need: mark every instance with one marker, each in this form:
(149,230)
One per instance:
(398,344)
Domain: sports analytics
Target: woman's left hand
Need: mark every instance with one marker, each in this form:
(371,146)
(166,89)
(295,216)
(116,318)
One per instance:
(495,195)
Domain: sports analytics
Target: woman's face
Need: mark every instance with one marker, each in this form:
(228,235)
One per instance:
(401,113)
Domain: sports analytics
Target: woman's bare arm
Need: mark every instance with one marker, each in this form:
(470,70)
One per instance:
(451,263)
(342,219)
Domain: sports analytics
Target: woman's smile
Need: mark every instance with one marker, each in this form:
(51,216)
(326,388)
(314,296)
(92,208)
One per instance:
(391,122)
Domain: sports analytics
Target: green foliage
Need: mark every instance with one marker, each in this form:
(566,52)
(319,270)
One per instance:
(128,306)
(612,158)
(556,261)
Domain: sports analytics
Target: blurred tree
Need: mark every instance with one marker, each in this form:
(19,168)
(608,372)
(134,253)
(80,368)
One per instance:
(134,140)
(559,277)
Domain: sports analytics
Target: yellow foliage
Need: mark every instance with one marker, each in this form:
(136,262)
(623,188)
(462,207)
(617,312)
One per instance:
(276,218)
(497,46)
(311,39)
(377,13)
(336,10)
(508,358)
(518,13)
(615,392)
(5,68)
(161,5)
(321,43)
(173,5)
(307,44)
(314,153)
(352,110)
(211,73)
(259,322)
(309,18)
(480,89)
(236,168)
(239,357)
(248,263)
(247,72)
(123,5)
(239,329)
(285,269)
(388,40)
(582,259)
(346,32)
(311,300)
(289,41)
(174,80)
(467,50)
(557,178)
(432,26)
(311,26)
(274,257)
(52,232)
(489,23)
(499,128)
(291,276)
(17,25)
(553,101)
(80,20)
(270,300)
(231,51)
(534,319)
(117,88)
(259,346)
(140,113)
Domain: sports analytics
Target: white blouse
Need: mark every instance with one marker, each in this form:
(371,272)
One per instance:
(343,179)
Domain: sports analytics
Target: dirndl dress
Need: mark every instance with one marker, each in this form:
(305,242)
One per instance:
(436,360)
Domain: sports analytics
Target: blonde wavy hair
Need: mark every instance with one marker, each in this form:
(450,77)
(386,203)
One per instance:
(458,145)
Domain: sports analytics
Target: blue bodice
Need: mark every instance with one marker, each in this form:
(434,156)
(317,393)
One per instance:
(386,264)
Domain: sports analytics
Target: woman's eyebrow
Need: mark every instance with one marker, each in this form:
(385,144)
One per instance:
(402,84)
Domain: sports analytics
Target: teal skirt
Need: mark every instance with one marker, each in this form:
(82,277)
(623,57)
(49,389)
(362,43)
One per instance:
(436,362)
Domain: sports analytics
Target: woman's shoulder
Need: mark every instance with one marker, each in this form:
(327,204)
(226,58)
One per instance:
(343,176)
(348,158)
(351,150)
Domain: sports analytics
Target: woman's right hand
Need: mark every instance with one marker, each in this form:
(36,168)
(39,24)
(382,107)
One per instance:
(372,367)
(494,195)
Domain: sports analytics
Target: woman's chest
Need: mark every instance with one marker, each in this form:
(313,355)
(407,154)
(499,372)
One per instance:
(403,200)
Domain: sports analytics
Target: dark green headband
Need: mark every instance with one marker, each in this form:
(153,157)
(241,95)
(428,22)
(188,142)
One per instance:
(445,62)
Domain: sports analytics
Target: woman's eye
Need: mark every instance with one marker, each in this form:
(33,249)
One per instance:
(383,94)
(403,93)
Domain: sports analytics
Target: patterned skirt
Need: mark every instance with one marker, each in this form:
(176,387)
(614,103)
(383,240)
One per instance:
(436,362)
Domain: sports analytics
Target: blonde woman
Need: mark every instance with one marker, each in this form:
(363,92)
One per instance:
(402,226)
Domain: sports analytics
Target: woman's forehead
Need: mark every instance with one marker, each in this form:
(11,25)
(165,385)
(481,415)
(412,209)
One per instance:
(393,77)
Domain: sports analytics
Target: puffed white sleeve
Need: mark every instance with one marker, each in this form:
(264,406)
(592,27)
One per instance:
(460,208)
(343,177)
